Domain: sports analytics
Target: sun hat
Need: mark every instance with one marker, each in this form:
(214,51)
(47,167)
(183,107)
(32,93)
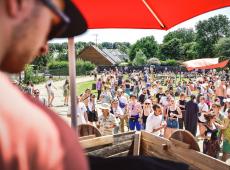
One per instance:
(105,106)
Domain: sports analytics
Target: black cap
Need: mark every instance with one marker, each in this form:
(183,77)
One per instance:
(77,23)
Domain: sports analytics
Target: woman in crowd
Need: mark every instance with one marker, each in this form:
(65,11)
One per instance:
(173,112)
(181,104)
(50,90)
(92,113)
(147,109)
(66,92)
(134,112)
(226,133)
(203,109)
(99,88)
(211,144)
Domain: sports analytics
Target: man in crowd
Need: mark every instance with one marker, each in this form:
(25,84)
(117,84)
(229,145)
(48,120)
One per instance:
(107,121)
(155,123)
(117,112)
(32,137)
(191,115)
(221,91)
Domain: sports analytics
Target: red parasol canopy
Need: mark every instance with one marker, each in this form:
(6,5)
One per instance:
(145,14)
(205,63)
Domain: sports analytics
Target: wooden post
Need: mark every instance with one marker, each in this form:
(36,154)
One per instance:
(72,77)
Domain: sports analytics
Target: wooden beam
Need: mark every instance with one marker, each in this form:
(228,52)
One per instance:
(99,141)
(125,153)
(151,145)
(137,142)
(112,150)
(179,143)
(87,137)
(72,77)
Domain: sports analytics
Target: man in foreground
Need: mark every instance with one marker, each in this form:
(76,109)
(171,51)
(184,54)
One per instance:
(32,137)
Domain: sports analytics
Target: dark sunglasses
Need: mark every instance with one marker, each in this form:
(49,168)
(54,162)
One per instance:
(147,103)
(57,29)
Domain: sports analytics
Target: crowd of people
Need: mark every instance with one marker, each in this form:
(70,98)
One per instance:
(141,101)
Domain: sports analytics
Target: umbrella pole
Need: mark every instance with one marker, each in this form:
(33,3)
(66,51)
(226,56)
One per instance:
(72,77)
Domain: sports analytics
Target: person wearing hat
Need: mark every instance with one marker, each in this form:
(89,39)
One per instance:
(118,113)
(107,121)
(32,137)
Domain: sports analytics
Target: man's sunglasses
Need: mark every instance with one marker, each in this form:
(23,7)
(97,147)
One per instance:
(59,28)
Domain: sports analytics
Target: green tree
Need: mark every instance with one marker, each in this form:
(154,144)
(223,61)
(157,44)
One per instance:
(140,59)
(209,32)
(222,48)
(190,51)
(171,49)
(147,45)
(185,35)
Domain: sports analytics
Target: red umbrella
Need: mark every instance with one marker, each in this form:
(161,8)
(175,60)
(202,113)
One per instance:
(146,14)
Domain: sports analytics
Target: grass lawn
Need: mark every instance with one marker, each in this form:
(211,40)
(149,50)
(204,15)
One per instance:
(82,86)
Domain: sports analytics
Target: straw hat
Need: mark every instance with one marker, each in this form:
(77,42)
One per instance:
(105,106)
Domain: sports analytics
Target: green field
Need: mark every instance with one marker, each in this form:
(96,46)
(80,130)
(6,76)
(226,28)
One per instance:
(82,86)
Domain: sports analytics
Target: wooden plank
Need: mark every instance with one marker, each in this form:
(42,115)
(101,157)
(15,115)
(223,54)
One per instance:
(122,137)
(151,144)
(111,150)
(87,137)
(137,142)
(179,143)
(121,154)
(99,141)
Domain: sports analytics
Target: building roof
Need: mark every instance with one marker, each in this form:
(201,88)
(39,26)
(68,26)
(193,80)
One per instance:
(102,57)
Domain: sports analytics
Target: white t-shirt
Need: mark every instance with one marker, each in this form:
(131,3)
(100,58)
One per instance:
(202,108)
(81,109)
(49,85)
(164,101)
(117,111)
(153,122)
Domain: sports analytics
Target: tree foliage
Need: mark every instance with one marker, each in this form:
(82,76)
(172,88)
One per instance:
(171,49)
(222,48)
(140,59)
(183,34)
(209,32)
(147,45)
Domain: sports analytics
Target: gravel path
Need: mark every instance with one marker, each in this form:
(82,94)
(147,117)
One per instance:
(58,103)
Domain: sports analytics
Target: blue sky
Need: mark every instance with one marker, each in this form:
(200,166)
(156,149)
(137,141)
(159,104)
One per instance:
(132,35)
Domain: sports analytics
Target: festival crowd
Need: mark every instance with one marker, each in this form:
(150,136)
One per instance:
(139,100)
(142,101)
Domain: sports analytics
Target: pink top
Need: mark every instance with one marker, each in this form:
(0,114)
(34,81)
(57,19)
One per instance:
(30,135)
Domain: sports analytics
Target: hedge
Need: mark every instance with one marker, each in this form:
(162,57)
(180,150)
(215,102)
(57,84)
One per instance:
(61,67)
(169,63)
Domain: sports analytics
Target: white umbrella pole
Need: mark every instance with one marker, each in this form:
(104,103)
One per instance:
(72,77)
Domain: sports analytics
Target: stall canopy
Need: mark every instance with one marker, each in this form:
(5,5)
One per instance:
(144,14)
(205,63)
